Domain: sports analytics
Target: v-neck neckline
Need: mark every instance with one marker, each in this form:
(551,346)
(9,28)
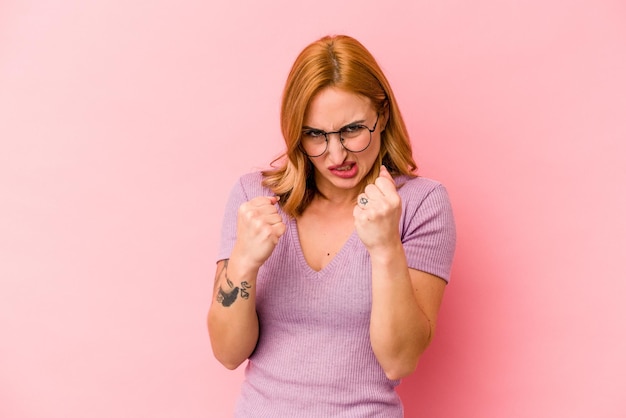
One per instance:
(295,236)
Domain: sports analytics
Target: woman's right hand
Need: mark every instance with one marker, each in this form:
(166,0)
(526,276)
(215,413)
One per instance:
(259,226)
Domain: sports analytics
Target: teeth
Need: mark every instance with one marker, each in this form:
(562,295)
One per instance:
(344,168)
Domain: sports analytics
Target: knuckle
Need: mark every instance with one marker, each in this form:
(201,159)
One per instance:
(248,215)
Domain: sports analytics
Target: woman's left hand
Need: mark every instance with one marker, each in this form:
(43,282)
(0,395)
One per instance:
(377,212)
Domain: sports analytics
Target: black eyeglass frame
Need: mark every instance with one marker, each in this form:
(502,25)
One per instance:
(371,131)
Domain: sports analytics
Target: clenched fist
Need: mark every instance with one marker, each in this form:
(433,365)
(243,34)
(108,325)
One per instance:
(259,226)
(377,212)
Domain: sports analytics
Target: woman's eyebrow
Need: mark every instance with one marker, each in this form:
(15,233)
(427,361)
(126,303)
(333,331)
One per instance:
(356,122)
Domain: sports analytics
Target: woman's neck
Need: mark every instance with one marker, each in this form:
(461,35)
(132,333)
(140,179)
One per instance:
(335,201)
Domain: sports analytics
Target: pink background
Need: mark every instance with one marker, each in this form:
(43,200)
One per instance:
(124,124)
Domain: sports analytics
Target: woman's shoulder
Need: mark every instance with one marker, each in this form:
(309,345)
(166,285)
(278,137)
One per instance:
(417,186)
(252,184)
(252,177)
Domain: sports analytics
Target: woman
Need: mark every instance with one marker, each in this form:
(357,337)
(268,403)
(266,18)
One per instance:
(333,264)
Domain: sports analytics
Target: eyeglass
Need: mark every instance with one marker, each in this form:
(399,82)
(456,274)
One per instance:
(354,138)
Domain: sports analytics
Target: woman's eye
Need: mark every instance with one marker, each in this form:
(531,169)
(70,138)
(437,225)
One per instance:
(313,134)
(352,128)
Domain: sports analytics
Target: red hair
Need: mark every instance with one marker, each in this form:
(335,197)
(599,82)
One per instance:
(341,62)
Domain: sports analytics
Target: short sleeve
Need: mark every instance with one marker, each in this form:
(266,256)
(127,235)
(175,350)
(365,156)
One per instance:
(428,229)
(247,187)
(236,198)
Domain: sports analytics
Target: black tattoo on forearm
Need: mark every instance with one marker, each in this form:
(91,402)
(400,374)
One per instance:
(227,298)
(244,290)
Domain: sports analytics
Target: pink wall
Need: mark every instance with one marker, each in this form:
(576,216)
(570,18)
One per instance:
(124,124)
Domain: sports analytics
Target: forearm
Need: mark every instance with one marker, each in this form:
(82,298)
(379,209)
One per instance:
(399,329)
(232,320)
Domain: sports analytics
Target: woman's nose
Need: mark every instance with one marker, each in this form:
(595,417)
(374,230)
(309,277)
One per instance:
(336,151)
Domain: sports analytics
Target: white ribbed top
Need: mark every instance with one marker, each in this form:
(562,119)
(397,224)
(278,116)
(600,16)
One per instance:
(314,357)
